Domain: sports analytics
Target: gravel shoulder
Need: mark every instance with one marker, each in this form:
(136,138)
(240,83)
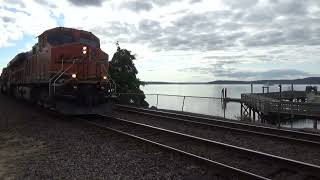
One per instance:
(37,146)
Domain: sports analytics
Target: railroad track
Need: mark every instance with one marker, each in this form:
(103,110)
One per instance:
(284,134)
(234,162)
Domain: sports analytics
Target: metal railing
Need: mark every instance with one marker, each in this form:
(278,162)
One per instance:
(54,83)
(223,108)
(112,83)
(192,104)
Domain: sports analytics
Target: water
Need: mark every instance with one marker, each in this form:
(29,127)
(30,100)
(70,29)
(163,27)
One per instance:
(211,106)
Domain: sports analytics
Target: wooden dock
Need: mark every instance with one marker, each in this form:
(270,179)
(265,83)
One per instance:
(270,105)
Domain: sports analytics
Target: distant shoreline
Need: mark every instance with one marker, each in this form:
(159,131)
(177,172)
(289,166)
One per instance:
(309,80)
(228,83)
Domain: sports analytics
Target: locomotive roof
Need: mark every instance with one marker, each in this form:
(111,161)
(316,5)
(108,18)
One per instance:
(18,59)
(67,30)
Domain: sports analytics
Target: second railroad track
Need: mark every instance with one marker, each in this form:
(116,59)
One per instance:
(246,163)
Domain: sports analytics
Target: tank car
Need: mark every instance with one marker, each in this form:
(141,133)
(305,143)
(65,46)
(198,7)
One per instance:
(66,70)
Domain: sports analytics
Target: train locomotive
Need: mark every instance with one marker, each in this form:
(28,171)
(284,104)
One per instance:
(65,70)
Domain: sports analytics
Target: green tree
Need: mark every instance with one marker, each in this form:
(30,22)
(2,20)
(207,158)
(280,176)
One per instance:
(123,72)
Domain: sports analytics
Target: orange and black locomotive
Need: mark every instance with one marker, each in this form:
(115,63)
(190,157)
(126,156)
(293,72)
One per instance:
(66,65)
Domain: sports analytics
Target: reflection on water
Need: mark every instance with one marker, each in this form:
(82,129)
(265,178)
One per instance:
(210,106)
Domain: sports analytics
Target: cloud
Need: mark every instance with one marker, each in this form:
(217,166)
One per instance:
(15,23)
(189,32)
(20,3)
(242,4)
(46,3)
(290,7)
(270,74)
(263,25)
(225,35)
(137,6)
(194,1)
(7,19)
(163,2)
(218,71)
(87,2)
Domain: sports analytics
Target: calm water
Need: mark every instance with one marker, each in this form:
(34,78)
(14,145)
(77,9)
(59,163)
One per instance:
(210,106)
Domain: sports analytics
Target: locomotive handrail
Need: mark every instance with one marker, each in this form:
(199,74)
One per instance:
(109,77)
(54,83)
(52,79)
(55,77)
(115,84)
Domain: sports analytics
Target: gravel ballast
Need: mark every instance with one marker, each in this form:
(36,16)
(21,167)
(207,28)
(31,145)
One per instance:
(258,164)
(35,145)
(287,149)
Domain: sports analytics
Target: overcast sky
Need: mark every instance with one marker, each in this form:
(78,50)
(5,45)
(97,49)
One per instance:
(182,40)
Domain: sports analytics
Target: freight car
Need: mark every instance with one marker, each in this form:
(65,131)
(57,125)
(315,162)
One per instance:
(66,69)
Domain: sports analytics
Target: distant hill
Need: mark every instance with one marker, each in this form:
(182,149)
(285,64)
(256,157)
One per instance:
(308,80)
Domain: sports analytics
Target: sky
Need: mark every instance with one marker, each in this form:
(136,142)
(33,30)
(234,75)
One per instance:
(181,40)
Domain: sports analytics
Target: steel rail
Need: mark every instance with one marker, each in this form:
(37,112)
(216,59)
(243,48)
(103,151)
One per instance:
(285,134)
(288,163)
(230,171)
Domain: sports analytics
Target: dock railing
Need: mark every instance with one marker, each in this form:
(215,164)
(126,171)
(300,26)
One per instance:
(266,105)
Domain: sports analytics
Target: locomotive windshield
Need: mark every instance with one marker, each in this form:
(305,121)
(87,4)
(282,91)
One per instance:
(58,39)
(89,42)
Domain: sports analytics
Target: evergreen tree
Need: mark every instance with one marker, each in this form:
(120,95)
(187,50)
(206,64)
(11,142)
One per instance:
(123,71)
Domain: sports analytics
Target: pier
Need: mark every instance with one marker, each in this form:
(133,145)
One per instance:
(278,105)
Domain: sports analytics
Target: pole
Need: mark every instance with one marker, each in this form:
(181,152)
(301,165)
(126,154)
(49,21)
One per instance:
(184,97)
(279,118)
(225,93)
(280,92)
(224,106)
(222,94)
(251,88)
(241,111)
(279,105)
(291,109)
(157,100)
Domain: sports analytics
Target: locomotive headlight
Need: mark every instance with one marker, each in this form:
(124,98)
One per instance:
(74,76)
(84,50)
(104,77)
